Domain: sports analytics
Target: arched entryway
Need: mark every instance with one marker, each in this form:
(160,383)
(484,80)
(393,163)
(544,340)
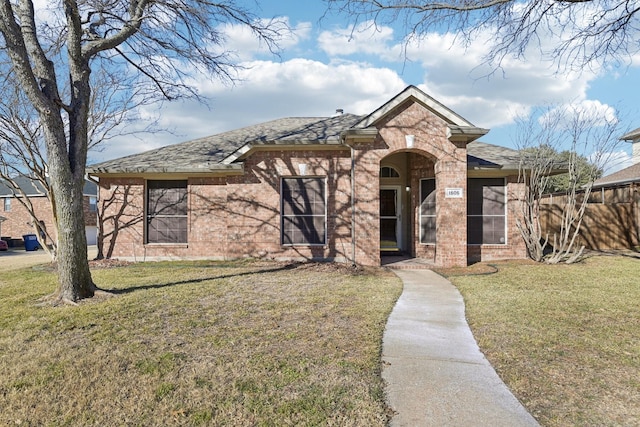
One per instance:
(407,205)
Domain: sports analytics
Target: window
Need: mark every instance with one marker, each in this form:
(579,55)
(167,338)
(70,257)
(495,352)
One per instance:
(166,211)
(303,211)
(388,172)
(7,204)
(93,204)
(486,210)
(428,210)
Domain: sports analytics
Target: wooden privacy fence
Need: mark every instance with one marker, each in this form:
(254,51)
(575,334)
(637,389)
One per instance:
(611,220)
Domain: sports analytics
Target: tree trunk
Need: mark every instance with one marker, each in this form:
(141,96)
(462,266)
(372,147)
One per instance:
(74,276)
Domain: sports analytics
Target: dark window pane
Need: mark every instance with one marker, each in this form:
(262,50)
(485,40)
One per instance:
(388,203)
(167,197)
(167,230)
(388,232)
(474,230)
(303,196)
(428,229)
(303,210)
(428,197)
(493,200)
(428,210)
(388,172)
(486,210)
(167,211)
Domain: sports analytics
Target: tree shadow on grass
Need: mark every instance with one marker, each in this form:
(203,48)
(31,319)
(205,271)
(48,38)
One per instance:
(129,290)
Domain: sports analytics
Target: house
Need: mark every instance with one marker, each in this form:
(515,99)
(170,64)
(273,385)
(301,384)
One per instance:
(410,177)
(18,222)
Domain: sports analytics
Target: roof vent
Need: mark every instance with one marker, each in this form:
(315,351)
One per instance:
(339,112)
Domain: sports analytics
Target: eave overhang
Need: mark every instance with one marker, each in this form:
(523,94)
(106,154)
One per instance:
(352,136)
(465,134)
(246,150)
(203,171)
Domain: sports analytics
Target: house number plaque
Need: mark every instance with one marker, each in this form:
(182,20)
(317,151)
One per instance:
(453,193)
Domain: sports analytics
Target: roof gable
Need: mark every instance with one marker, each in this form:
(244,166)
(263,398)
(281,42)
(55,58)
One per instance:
(412,93)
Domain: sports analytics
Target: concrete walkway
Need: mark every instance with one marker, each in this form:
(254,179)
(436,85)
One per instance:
(434,370)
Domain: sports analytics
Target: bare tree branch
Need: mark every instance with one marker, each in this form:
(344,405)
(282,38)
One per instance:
(581,32)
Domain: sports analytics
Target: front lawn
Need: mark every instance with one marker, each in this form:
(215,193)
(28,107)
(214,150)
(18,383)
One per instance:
(200,343)
(565,338)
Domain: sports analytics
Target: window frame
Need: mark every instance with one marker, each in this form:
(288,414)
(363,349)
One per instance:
(149,216)
(287,240)
(484,216)
(434,215)
(7,204)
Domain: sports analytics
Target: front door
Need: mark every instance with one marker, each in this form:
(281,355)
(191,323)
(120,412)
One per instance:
(390,219)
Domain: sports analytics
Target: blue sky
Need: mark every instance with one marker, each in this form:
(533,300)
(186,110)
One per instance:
(324,65)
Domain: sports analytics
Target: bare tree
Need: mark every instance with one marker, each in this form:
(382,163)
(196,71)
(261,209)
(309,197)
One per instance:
(22,158)
(155,46)
(22,146)
(553,142)
(582,31)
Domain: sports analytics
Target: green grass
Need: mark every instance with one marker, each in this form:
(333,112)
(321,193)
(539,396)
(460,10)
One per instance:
(200,343)
(565,338)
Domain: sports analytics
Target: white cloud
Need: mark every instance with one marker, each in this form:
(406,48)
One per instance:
(589,112)
(367,38)
(245,45)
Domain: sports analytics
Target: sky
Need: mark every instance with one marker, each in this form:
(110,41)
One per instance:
(325,65)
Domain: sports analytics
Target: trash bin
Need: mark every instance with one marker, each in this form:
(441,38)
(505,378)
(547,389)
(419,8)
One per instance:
(30,242)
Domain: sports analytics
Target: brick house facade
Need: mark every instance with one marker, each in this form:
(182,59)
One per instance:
(406,178)
(18,222)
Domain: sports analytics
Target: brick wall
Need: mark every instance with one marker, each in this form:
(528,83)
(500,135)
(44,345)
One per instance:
(236,216)
(19,221)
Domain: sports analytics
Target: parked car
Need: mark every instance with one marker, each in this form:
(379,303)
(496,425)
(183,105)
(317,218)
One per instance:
(3,246)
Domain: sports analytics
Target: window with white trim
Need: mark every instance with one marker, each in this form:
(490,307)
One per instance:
(7,204)
(303,211)
(166,211)
(428,210)
(486,211)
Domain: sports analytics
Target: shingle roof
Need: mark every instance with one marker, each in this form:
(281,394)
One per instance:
(29,186)
(34,188)
(217,152)
(489,156)
(634,134)
(630,174)
(222,152)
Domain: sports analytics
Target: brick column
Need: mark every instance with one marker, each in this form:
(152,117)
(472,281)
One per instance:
(451,213)
(367,205)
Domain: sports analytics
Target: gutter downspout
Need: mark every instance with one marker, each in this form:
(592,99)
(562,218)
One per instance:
(353,206)
(343,139)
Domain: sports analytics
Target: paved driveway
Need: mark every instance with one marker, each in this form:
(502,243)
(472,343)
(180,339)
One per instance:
(18,258)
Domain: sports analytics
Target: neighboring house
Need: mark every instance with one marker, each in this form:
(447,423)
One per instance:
(612,214)
(409,177)
(18,222)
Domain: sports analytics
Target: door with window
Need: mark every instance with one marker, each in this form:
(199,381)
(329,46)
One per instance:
(390,219)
